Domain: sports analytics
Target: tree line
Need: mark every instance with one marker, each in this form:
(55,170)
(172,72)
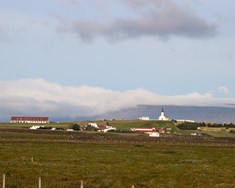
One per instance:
(195,125)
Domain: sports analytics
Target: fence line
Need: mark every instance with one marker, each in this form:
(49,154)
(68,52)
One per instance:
(9,182)
(20,183)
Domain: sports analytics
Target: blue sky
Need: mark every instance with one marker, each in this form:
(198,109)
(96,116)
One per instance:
(114,54)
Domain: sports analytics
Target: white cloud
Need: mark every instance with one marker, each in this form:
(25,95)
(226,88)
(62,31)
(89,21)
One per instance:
(39,97)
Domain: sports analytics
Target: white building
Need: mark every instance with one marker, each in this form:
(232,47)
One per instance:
(163,117)
(93,125)
(146,118)
(185,120)
(153,134)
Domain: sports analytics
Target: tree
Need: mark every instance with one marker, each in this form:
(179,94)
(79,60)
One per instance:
(75,126)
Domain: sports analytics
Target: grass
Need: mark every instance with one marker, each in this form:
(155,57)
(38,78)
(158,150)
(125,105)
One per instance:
(219,134)
(120,165)
(138,123)
(27,125)
(112,160)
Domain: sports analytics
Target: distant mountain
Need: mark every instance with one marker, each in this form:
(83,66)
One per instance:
(201,114)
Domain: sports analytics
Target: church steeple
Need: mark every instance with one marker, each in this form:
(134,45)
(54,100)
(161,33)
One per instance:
(162,116)
(162,112)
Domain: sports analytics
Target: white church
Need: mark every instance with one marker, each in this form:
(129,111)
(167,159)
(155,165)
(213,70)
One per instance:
(162,117)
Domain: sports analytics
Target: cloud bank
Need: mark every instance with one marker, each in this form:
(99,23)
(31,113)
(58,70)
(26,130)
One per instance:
(153,18)
(39,97)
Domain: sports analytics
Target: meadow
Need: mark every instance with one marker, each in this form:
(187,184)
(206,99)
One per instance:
(63,159)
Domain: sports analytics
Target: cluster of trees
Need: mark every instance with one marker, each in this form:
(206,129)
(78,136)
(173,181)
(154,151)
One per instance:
(190,126)
(225,125)
(195,125)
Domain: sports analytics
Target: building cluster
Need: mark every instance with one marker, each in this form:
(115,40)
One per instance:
(101,128)
(163,117)
(152,132)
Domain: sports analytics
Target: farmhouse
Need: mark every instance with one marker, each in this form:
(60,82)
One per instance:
(26,119)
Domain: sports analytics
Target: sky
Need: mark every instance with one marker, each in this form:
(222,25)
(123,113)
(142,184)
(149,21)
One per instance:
(88,57)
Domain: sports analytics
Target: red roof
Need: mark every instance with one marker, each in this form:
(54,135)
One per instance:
(27,118)
(144,129)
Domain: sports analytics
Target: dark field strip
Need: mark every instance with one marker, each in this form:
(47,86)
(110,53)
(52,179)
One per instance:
(45,136)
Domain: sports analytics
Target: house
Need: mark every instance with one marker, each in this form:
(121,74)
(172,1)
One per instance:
(146,118)
(35,127)
(28,119)
(153,134)
(93,125)
(106,128)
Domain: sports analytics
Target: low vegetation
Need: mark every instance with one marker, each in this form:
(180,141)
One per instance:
(63,159)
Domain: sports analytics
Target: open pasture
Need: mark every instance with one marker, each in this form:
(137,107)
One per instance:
(115,160)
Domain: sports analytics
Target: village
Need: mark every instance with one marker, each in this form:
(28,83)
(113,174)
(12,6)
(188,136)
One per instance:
(90,150)
(43,123)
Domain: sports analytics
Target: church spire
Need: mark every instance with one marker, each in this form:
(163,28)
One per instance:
(162,116)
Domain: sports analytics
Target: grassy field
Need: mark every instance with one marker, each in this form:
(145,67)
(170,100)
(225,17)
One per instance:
(120,165)
(138,123)
(114,160)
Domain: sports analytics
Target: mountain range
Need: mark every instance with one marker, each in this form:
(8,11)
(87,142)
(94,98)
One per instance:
(196,113)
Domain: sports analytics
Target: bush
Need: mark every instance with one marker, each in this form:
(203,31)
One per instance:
(75,126)
(232,131)
(90,128)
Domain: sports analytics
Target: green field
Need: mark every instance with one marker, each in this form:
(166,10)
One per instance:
(63,159)
(136,123)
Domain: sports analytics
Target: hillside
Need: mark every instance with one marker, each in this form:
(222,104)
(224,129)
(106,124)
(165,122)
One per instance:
(141,124)
(201,114)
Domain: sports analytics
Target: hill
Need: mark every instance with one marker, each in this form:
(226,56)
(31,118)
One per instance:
(201,114)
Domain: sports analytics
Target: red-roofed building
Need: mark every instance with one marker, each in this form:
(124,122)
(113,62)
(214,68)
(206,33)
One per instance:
(143,129)
(26,119)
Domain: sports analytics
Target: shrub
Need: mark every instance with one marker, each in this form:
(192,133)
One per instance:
(232,131)
(75,126)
